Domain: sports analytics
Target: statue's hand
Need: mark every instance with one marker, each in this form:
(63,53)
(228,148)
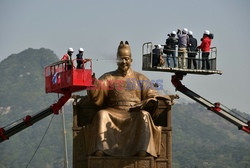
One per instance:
(174,96)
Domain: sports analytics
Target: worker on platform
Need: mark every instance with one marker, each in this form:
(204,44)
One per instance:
(182,47)
(170,48)
(192,50)
(205,48)
(79,58)
(157,56)
(68,59)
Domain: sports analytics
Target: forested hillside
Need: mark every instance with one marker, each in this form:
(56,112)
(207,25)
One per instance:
(22,93)
(200,137)
(203,139)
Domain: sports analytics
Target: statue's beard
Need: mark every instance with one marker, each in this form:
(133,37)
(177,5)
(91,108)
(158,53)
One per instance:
(123,68)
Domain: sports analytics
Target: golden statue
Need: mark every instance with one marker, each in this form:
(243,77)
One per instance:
(120,128)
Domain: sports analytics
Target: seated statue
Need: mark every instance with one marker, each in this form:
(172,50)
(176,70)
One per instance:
(120,128)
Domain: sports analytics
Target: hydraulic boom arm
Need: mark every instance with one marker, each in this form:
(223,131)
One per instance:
(215,107)
(29,120)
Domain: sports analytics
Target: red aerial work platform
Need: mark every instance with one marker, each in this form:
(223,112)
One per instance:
(60,79)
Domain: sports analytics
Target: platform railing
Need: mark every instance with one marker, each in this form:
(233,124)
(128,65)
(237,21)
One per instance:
(62,66)
(58,75)
(186,63)
(147,51)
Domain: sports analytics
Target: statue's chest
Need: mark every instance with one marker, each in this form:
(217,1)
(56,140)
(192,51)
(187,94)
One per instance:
(127,89)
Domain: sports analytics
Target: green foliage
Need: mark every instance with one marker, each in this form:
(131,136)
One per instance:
(22,77)
(203,139)
(22,87)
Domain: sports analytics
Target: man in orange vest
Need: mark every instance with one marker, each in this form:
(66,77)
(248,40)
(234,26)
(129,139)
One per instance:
(67,58)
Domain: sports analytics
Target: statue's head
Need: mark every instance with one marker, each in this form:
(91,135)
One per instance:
(124,57)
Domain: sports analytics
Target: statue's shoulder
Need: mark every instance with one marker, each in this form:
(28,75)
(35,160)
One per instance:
(107,75)
(140,76)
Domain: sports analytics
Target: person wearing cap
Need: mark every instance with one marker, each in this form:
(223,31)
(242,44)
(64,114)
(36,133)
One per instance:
(157,55)
(79,58)
(192,50)
(182,47)
(205,48)
(68,59)
(170,48)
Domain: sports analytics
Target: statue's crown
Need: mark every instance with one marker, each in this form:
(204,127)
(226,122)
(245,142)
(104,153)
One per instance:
(124,49)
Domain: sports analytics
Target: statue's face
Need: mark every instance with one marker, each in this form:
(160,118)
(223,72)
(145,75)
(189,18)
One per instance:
(124,62)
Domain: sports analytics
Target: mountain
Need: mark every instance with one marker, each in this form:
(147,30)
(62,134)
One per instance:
(203,139)
(22,93)
(22,77)
(200,137)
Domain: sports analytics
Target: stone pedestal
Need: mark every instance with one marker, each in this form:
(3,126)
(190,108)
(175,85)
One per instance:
(122,162)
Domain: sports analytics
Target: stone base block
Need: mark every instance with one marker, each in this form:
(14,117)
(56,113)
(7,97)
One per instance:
(120,162)
(162,163)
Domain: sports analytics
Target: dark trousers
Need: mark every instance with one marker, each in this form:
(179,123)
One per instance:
(156,60)
(205,60)
(191,57)
(79,65)
(69,67)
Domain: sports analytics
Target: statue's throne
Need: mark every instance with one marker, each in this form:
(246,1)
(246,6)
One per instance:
(84,111)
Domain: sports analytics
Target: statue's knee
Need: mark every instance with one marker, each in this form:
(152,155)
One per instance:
(145,113)
(102,114)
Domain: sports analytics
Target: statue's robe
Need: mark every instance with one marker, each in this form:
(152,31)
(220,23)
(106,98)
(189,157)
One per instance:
(115,129)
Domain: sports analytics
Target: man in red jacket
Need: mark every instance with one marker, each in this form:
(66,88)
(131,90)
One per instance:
(67,58)
(205,48)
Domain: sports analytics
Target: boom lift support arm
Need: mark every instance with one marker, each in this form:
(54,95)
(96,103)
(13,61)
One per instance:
(214,107)
(29,120)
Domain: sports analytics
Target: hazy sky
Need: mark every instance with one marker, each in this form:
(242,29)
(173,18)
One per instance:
(99,25)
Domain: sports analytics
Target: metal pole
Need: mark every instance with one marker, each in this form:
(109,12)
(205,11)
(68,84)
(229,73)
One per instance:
(66,162)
